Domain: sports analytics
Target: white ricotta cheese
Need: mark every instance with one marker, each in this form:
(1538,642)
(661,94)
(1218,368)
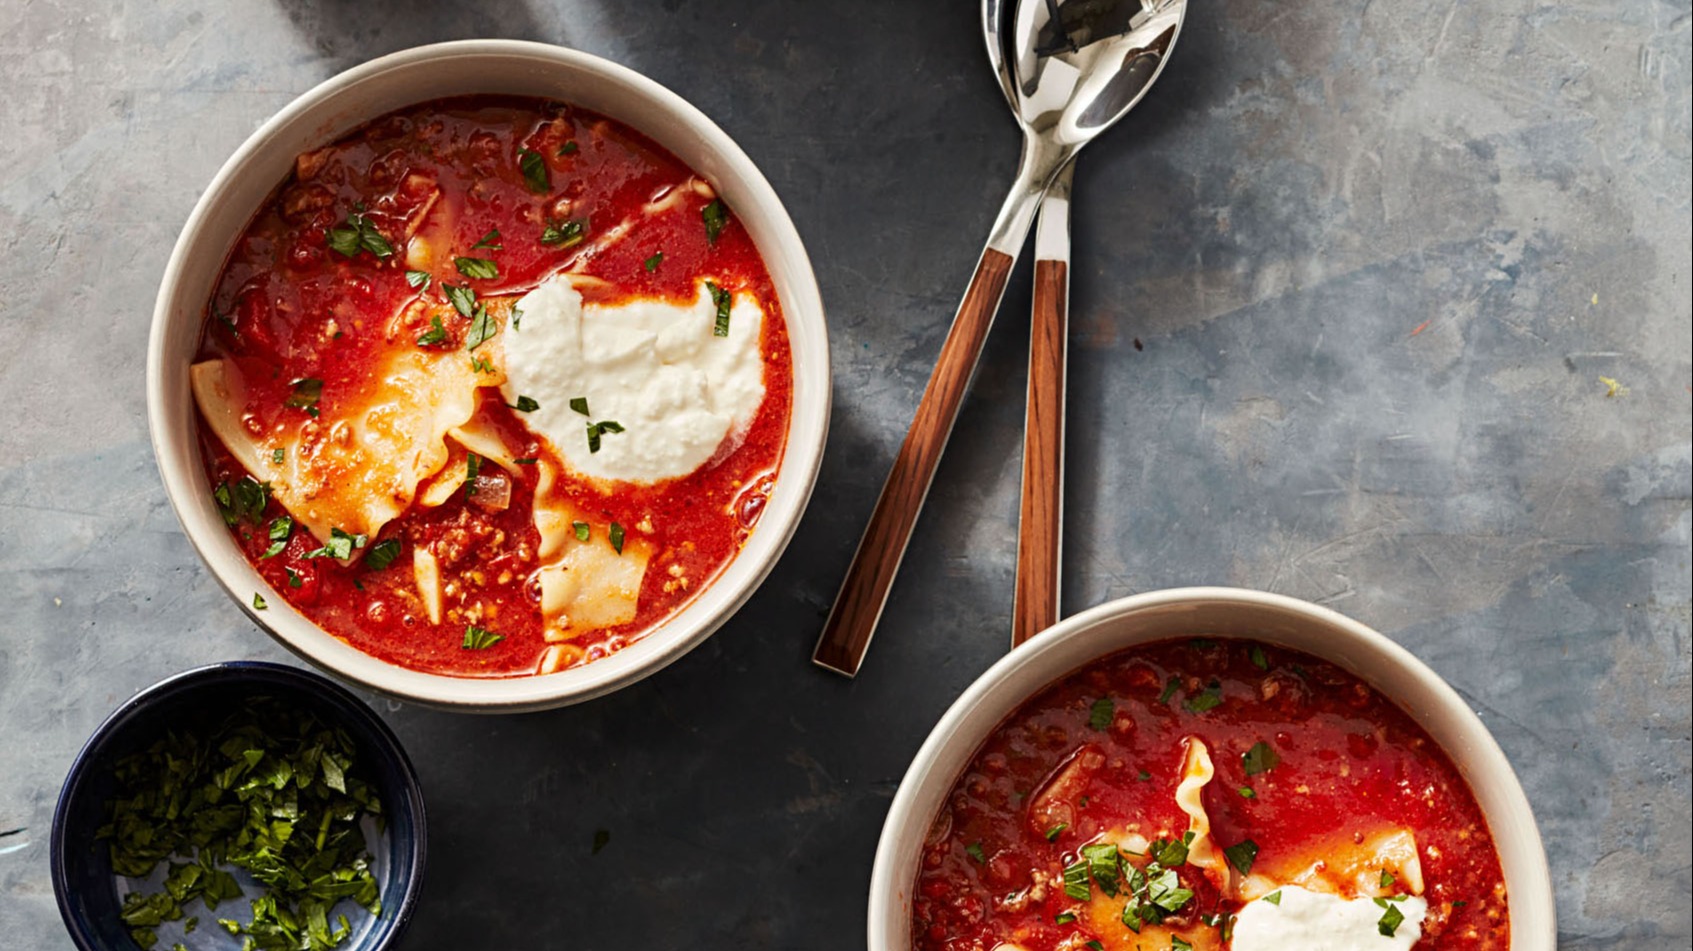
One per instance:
(653,367)
(1312,921)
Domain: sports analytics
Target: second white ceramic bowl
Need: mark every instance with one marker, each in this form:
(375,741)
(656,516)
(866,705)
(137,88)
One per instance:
(342,104)
(1216,612)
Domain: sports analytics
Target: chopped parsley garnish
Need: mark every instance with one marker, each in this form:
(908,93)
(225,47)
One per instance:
(1145,776)
(294,579)
(481,269)
(279,456)
(568,148)
(1387,879)
(281,529)
(596,430)
(270,790)
(1208,699)
(357,234)
(482,329)
(1258,659)
(1247,792)
(472,469)
(259,602)
(1076,881)
(975,851)
(535,172)
(1274,898)
(491,241)
(1094,945)
(1053,833)
(461,297)
(1179,943)
(1101,713)
(525,404)
(616,534)
(418,279)
(435,335)
(564,234)
(307,391)
(340,546)
(722,299)
(479,638)
(582,530)
(579,404)
(1105,865)
(1242,854)
(1064,918)
(382,554)
(1261,758)
(516,317)
(242,501)
(1156,891)
(1390,919)
(482,364)
(1169,690)
(653,262)
(715,216)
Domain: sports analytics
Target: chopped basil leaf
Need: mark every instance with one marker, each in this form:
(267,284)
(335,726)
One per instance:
(617,537)
(526,461)
(1053,833)
(418,279)
(581,530)
(1208,699)
(564,234)
(722,299)
(516,317)
(525,404)
(307,391)
(294,579)
(1063,918)
(1247,792)
(281,529)
(975,851)
(382,554)
(1261,758)
(534,171)
(1258,659)
(279,456)
(1387,879)
(482,329)
(357,234)
(1390,919)
(482,364)
(1274,898)
(242,501)
(491,241)
(479,638)
(1100,715)
(1144,776)
(481,269)
(1094,945)
(596,430)
(340,546)
(1179,943)
(1169,690)
(568,148)
(472,469)
(654,261)
(462,298)
(579,404)
(259,602)
(1076,881)
(435,335)
(715,216)
(1242,854)
(1105,865)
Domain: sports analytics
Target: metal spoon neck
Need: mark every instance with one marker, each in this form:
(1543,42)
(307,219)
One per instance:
(1042,160)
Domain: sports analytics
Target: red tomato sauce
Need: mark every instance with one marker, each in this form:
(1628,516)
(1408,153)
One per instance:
(288,307)
(1350,764)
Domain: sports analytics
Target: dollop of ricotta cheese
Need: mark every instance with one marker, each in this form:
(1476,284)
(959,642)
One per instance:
(1312,921)
(653,367)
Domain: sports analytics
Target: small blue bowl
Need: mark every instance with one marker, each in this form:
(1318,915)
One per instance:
(83,879)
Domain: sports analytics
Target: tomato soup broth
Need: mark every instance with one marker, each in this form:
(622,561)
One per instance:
(414,238)
(1051,838)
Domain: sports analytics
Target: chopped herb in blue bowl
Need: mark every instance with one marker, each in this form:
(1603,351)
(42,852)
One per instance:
(243,805)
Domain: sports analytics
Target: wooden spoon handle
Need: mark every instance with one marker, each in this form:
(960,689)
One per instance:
(1041,523)
(858,607)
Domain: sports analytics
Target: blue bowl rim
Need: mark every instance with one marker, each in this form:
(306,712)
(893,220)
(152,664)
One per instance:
(269,672)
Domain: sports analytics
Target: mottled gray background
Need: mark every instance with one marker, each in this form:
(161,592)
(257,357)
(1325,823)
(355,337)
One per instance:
(1310,185)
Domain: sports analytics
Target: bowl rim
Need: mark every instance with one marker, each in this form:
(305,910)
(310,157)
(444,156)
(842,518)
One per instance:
(1484,753)
(672,638)
(342,700)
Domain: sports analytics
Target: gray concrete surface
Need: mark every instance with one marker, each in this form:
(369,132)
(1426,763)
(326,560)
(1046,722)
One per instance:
(1345,289)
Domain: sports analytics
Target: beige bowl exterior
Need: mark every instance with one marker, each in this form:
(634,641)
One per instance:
(1218,612)
(357,96)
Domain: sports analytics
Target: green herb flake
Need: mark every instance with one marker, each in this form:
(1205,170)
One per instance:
(1076,881)
(582,530)
(535,173)
(478,269)
(435,335)
(525,404)
(564,234)
(1259,660)
(1145,776)
(1208,699)
(1105,865)
(579,404)
(278,456)
(243,500)
(1242,854)
(716,217)
(281,529)
(491,241)
(482,329)
(1390,920)
(462,298)
(1387,879)
(653,262)
(525,461)
(722,299)
(481,364)
(472,469)
(596,430)
(1101,713)
(294,579)
(1274,898)
(1053,833)
(616,534)
(1064,918)
(975,851)
(382,554)
(259,602)
(357,234)
(479,638)
(1261,758)
(1247,792)
(1169,690)
(1179,943)
(568,148)
(1094,945)
(340,545)
(418,279)
(305,394)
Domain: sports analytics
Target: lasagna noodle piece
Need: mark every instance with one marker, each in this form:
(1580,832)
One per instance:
(359,467)
(1345,865)
(1197,771)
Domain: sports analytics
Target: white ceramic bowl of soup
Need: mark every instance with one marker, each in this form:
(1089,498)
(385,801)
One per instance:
(1214,612)
(341,105)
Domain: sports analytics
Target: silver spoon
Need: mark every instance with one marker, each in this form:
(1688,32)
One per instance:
(1080,65)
